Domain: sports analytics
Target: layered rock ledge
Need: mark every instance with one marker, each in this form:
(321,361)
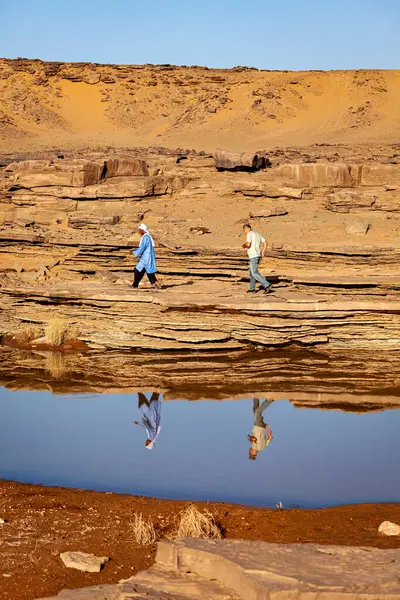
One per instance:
(67,226)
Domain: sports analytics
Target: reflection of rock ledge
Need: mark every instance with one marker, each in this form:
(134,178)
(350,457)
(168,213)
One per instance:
(360,382)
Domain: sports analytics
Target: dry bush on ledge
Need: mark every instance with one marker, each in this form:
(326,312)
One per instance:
(58,332)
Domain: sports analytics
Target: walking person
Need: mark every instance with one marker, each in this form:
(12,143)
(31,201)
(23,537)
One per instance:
(256,246)
(151,417)
(147,259)
(261,435)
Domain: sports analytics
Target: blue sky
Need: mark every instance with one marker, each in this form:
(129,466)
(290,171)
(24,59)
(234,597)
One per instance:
(282,34)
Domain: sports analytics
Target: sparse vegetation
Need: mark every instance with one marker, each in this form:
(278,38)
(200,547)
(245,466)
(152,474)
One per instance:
(56,365)
(58,332)
(144,532)
(26,333)
(196,524)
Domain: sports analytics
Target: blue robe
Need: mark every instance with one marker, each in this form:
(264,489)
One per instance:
(146,255)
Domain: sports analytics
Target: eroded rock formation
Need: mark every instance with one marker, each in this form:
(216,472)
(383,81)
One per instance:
(67,226)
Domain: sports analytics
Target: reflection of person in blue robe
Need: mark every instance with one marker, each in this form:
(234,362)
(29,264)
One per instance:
(151,417)
(147,259)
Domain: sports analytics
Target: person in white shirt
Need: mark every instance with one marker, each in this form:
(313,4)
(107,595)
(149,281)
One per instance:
(256,246)
(261,435)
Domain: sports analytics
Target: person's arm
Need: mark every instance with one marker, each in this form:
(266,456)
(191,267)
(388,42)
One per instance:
(263,247)
(269,433)
(142,246)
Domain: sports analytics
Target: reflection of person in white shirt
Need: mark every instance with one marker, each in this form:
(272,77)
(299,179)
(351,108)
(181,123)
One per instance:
(256,246)
(151,417)
(261,435)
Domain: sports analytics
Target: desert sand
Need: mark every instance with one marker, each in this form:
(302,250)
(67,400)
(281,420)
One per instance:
(80,105)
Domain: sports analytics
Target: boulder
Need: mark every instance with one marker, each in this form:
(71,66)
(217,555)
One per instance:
(357,227)
(115,188)
(349,200)
(83,561)
(380,175)
(388,528)
(317,174)
(249,188)
(235,161)
(125,167)
(30,174)
(275,211)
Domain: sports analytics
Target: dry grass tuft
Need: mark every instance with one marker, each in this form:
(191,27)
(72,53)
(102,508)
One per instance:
(195,524)
(56,365)
(58,332)
(143,531)
(27,333)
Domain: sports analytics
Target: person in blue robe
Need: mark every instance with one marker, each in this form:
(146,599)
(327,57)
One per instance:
(147,259)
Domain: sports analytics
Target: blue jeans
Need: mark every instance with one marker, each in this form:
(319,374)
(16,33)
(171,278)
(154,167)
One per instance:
(255,275)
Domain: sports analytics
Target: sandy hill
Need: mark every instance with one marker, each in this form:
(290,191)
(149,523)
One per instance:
(72,105)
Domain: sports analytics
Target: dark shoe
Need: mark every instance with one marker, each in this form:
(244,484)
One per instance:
(251,292)
(268,288)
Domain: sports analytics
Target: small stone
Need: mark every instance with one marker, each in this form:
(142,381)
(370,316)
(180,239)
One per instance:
(357,227)
(83,562)
(388,528)
(2,521)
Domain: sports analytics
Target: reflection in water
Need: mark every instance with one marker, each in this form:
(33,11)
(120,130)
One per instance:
(151,417)
(203,453)
(261,435)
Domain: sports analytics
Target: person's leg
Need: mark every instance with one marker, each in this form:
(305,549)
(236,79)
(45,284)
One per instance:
(257,275)
(152,278)
(142,400)
(252,287)
(137,277)
(265,405)
(256,404)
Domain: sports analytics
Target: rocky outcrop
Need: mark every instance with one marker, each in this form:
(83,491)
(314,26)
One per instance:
(234,161)
(349,381)
(387,175)
(68,225)
(319,174)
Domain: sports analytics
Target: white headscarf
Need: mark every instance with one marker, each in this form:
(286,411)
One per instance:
(144,228)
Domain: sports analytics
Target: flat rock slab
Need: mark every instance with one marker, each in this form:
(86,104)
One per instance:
(96,592)
(235,569)
(83,562)
(259,570)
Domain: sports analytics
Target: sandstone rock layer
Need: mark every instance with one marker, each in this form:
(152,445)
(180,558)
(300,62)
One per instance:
(68,225)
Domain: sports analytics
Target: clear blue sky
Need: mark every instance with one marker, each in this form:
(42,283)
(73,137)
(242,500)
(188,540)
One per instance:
(281,34)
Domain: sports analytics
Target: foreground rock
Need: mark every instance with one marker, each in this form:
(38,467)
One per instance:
(83,561)
(388,528)
(241,570)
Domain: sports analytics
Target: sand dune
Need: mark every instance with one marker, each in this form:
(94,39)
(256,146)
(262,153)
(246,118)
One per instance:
(46,105)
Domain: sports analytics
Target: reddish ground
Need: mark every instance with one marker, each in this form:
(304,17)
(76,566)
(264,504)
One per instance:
(42,522)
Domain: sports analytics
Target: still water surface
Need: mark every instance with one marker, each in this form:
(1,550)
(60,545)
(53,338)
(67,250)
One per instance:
(315,458)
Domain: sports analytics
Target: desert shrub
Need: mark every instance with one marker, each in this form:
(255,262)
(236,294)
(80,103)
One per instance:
(58,332)
(26,333)
(196,524)
(144,532)
(56,365)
